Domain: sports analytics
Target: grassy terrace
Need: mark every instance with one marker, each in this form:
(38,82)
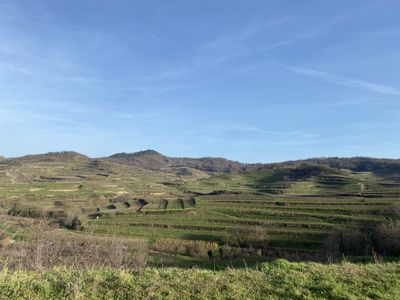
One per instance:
(292,208)
(289,222)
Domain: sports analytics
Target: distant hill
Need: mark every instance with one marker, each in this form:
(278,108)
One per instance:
(62,156)
(148,159)
(357,164)
(153,160)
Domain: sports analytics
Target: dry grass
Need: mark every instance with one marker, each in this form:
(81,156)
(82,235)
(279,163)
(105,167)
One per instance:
(199,249)
(49,248)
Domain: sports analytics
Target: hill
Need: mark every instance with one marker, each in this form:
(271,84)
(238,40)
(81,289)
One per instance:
(357,164)
(153,160)
(187,210)
(57,157)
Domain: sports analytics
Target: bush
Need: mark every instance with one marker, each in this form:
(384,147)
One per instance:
(387,237)
(235,252)
(58,203)
(392,212)
(186,247)
(246,237)
(111,206)
(71,222)
(348,241)
(27,212)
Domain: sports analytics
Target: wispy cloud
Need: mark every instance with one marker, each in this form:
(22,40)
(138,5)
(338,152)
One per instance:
(13,116)
(133,116)
(348,81)
(238,37)
(56,119)
(300,134)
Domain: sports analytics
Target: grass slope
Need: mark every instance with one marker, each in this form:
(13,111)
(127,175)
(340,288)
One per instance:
(277,280)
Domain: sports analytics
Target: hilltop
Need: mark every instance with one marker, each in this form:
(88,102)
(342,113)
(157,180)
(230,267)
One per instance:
(357,164)
(153,160)
(63,156)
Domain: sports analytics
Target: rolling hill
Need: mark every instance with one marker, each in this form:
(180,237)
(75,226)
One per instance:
(252,211)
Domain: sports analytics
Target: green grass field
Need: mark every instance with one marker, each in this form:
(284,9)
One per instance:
(295,209)
(278,280)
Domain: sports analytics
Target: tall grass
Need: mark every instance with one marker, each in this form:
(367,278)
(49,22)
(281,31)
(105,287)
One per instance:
(277,280)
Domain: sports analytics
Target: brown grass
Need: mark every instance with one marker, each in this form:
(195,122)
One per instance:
(47,249)
(186,247)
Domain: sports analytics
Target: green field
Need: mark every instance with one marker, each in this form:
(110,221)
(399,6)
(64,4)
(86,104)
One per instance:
(278,280)
(261,214)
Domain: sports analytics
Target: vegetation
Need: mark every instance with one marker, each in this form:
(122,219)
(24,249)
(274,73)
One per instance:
(278,280)
(143,212)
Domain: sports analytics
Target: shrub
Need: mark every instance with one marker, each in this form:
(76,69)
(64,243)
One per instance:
(58,203)
(348,241)
(111,206)
(392,212)
(246,237)
(27,212)
(186,247)
(387,237)
(71,222)
(235,252)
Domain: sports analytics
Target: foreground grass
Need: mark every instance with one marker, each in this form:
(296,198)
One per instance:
(277,280)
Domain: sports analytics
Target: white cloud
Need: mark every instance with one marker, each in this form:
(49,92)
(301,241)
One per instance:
(348,81)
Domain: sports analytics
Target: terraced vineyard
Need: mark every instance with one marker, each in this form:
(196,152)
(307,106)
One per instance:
(256,214)
(291,219)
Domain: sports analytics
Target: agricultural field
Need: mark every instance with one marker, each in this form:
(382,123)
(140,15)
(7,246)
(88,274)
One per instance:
(193,215)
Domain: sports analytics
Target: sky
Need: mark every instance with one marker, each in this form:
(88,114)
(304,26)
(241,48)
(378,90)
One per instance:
(253,81)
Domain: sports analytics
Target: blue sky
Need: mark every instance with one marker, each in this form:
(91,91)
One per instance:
(255,81)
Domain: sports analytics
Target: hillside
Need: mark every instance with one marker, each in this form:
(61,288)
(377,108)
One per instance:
(187,210)
(152,160)
(357,164)
(56,157)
